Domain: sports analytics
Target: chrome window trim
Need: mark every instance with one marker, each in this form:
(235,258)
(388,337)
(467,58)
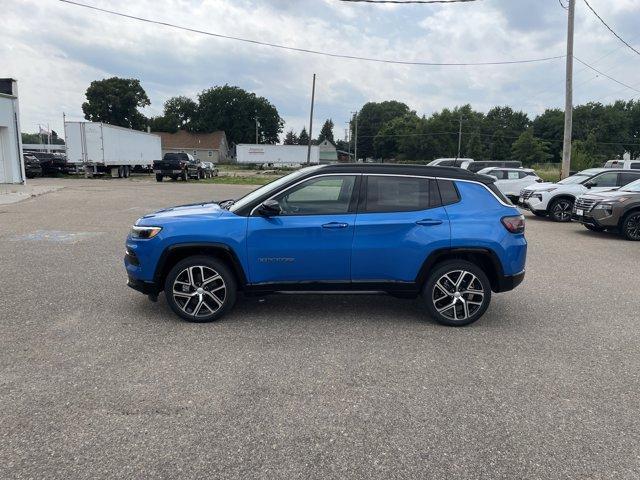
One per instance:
(428,177)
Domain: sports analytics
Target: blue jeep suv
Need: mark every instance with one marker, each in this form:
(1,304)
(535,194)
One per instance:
(444,233)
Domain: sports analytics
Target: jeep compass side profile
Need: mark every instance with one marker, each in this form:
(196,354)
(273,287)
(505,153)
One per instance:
(446,234)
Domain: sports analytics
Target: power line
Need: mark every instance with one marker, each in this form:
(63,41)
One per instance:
(609,28)
(605,75)
(314,52)
(408,1)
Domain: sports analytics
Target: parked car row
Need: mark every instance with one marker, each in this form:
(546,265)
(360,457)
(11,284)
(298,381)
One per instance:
(38,164)
(183,166)
(599,198)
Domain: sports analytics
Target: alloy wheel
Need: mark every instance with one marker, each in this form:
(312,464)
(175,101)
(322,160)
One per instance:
(458,295)
(632,227)
(561,210)
(199,291)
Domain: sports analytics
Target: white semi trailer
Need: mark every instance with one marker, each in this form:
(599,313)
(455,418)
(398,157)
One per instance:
(276,155)
(104,148)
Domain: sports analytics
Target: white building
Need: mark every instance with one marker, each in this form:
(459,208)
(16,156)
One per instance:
(11,164)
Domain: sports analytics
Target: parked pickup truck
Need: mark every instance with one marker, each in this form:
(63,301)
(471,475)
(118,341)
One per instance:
(177,165)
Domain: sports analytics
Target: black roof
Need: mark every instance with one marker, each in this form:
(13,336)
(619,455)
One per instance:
(401,169)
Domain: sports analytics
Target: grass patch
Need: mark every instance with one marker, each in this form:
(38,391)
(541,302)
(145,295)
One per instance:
(241,180)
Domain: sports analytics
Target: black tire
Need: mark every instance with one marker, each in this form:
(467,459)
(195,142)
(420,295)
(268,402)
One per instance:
(184,176)
(120,172)
(126,171)
(594,228)
(159,177)
(560,210)
(539,214)
(630,228)
(438,292)
(190,295)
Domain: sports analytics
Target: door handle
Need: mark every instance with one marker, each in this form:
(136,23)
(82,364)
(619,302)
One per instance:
(335,225)
(429,222)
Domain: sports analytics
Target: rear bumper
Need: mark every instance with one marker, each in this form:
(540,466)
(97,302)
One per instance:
(509,282)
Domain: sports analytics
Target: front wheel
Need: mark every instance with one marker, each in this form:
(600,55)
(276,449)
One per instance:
(200,289)
(457,293)
(159,177)
(560,210)
(631,226)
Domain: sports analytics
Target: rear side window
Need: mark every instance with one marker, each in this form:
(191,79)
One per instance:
(635,166)
(396,194)
(448,192)
(626,178)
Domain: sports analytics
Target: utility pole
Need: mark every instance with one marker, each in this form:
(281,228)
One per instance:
(313,96)
(568,107)
(347,137)
(256,117)
(459,139)
(355,139)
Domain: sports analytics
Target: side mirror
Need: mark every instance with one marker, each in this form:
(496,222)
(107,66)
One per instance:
(269,208)
(590,184)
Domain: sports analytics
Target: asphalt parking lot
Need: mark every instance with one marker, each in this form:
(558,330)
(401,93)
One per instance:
(97,382)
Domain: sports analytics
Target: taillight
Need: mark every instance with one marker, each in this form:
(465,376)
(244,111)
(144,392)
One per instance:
(514,224)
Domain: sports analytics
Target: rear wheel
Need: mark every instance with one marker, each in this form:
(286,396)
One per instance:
(631,226)
(159,177)
(560,210)
(457,293)
(120,171)
(126,171)
(200,289)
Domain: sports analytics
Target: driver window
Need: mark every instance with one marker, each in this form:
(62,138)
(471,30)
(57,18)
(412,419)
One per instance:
(318,196)
(609,179)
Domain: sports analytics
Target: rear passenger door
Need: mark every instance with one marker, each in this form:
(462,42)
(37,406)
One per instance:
(400,221)
(628,177)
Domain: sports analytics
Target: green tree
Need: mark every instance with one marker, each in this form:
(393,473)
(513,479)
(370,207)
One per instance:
(397,138)
(501,125)
(371,118)
(234,110)
(549,127)
(529,149)
(326,132)
(116,101)
(303,138)
(180,112)
(291,138)
(162,124)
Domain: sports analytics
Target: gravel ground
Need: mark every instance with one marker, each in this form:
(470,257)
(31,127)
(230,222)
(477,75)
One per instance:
(97,382)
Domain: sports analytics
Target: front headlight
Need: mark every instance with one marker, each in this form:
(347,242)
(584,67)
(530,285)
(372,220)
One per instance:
(609,204)
(549,189)
(144,232)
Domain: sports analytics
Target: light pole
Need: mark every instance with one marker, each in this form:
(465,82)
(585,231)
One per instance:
(355,135)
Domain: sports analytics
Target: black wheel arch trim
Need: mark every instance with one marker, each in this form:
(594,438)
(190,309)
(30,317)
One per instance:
(499,281)
(205,248)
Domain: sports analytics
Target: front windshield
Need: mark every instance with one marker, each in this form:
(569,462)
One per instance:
(632,187)
(272,186)
(573,179)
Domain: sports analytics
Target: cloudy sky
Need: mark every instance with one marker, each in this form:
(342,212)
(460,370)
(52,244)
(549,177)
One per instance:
(55,50)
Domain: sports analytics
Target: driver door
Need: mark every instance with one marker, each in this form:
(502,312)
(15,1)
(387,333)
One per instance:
(310,239)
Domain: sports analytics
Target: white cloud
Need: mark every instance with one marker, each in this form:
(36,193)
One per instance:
(55,50)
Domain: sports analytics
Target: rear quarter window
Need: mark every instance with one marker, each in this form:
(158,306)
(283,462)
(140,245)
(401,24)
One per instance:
(448,192)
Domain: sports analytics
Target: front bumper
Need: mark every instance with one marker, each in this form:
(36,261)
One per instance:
(148,288)
(597,218)
(507,283)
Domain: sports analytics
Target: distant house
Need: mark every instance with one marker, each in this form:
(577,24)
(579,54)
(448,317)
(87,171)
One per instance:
(328,152)
(206,147)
